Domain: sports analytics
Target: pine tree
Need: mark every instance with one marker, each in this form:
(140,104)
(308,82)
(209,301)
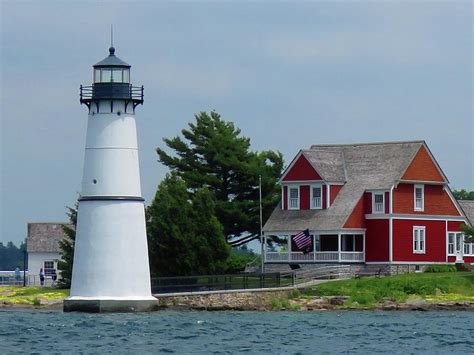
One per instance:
(184,235)
(67,247)
(213,154)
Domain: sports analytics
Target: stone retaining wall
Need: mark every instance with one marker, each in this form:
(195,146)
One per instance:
(245,301)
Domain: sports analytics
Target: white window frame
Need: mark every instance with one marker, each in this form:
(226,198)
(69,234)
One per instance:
(422,187)
(417,239)
(297,187)
(374,211)
(312,206)
(49,270)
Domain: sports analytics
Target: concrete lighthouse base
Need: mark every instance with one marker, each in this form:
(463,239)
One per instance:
(104,305)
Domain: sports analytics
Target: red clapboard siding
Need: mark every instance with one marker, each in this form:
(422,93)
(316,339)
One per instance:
(304,197)
(357,217)
(387,202)
(302,170)
(376,240)
(435,239)
(453,226)
(325,196)
(437,201)
(367,202)
(334,189)
(285,197)
(422,168)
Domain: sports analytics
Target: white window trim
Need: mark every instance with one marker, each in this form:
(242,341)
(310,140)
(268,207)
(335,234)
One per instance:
(373,202)
(311,197)
(299,197)
(422,187)
(419,251)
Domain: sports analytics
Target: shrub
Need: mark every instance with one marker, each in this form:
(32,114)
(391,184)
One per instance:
(441,268)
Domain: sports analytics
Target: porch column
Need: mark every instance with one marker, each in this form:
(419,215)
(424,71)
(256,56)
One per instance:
(339,246)
(363,245)
(315,236)
(289,247)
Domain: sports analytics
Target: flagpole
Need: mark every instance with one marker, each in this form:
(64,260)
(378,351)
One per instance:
(261,227)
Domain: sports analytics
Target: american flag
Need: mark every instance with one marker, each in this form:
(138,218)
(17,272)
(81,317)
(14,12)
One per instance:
(303,241)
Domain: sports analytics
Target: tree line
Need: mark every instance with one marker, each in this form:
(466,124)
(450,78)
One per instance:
(11,256)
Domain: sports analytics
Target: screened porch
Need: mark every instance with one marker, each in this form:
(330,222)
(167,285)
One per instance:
(281,248)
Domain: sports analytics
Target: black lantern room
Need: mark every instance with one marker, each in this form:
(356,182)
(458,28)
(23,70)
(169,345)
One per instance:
(111,82)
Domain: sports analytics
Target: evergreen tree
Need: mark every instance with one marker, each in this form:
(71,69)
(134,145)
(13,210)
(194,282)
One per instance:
(463,194)
(213,154)
(468,233)
(184,235)
(67,247)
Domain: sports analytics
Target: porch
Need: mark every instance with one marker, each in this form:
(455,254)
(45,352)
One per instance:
(324,248)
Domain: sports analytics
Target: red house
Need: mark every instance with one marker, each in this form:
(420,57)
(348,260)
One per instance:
(378,203)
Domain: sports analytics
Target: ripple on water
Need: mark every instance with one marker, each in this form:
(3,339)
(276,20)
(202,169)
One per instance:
(253,332)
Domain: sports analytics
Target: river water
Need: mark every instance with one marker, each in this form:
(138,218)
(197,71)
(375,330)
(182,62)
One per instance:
(232,332)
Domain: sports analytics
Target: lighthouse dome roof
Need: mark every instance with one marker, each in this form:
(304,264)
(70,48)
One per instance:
(111,61)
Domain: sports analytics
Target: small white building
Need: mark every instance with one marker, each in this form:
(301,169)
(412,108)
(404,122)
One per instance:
(43,249)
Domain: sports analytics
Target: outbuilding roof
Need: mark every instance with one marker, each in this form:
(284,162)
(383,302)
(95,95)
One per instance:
(44,237)
(468,208)
(366,166)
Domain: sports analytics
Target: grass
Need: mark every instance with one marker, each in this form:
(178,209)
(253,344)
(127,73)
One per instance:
(367,292)
(34,296)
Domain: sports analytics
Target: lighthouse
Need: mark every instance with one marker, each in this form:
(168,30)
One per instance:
(111,270)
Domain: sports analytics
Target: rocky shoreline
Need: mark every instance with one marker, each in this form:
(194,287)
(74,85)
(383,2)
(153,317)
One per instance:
(270,301)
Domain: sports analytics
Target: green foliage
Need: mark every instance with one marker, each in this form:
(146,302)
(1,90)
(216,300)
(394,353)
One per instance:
(468,233)
(441,268)
(36,302)
(283,303)
(463,195)
(11,256)
(184,235)
(31,295)
(238,259)
(67,249)
(369,290)
(213,154)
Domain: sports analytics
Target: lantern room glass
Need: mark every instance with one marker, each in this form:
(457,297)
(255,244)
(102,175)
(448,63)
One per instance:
(112,75)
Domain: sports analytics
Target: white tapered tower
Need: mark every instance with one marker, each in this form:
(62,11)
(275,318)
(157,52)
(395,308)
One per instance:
(111,270)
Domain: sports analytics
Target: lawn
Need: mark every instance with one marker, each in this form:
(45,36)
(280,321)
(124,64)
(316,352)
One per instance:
(433,287)
(35,296)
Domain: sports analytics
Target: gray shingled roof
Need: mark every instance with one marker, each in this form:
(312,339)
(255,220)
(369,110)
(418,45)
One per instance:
(468,208)
(44,237)
(367,166)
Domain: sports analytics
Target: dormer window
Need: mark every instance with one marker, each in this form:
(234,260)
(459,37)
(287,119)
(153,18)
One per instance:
(316,197)
(419,196)
(293,197)
(378,202)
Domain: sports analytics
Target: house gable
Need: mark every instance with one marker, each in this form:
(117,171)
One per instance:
(357,217)
(423,168)
(301,170)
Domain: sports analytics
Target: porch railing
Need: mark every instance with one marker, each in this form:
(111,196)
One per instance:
(319,256)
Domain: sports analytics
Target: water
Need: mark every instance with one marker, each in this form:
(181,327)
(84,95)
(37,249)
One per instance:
(231,332)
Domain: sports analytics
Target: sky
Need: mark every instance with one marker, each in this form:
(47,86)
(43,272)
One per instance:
(289,74)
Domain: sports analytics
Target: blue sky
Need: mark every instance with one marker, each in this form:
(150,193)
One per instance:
(289,74)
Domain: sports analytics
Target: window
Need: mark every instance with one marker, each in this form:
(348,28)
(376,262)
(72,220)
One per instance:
(316,197)
(48,267)
(294,198)
(419,244)
(451,243)
(419,198)
(378,202)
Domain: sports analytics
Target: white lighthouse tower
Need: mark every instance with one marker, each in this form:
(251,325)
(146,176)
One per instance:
(111,270)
